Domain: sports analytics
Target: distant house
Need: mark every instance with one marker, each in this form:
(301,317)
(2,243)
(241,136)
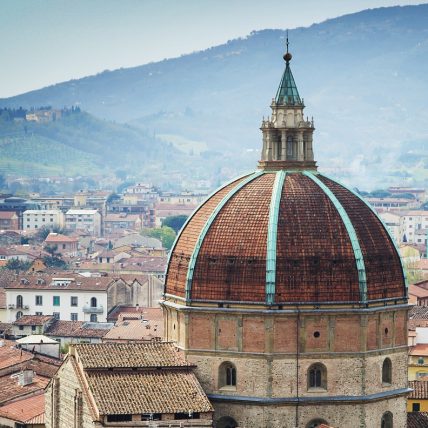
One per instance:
(417,400)
(37,219)
(114,222)
(84,220)
(157,389)
(65,245)
(31,324)
(9,220)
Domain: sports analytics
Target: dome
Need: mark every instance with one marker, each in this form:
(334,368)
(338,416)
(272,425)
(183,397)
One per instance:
(283,237)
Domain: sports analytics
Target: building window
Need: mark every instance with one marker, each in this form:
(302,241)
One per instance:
(317,376)
(39,300)
(73,316)
(33,328)
(227,375)
(93,302)
(39,313)
(19,314)
(416,407)
(226,422)
(119,418)
(94,318)
(73,301)
(386,421)
(387,371)
(56,300)
(315,423)
(19,301)
(56,315)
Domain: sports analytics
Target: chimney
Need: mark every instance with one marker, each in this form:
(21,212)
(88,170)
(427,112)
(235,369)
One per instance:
(25,377)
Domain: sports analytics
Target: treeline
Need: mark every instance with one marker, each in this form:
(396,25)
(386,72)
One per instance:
(8,114)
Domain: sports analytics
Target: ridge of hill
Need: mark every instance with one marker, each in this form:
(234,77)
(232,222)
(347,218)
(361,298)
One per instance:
(363,77)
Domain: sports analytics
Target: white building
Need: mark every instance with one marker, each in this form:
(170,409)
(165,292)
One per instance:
(72,297)
(88,221)
(392,222)
(36,219)
(413,226)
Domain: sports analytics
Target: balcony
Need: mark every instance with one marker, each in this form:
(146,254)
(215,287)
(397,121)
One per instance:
(93,309)
(19,307)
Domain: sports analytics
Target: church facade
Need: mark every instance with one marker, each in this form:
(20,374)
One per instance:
(286,291)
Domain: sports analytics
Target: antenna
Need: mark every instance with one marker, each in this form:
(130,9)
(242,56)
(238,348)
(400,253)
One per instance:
(287,40)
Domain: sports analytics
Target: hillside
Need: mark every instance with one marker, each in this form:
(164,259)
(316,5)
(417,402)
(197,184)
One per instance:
(77,144)
(363,77)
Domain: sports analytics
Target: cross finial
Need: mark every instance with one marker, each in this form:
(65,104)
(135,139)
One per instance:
(287,41)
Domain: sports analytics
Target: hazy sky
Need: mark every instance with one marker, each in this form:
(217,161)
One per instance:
(49,41)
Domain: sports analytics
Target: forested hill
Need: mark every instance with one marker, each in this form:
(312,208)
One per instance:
(363,78)
(77,143)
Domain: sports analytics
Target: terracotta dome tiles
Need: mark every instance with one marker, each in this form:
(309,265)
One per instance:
(179,260)
(315,259)
(382,263)
(232,261)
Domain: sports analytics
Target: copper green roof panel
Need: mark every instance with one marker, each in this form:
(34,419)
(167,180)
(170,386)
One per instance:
(287,93)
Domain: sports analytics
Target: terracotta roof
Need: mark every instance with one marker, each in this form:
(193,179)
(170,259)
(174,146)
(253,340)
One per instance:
(147,392)
(315,260)
(124,355)
(421,349)
(147,264)
(46,367)
(5,327)
(10,389)
(28,410)
(420,390)
(122,312)
(76,329)
(11,356)
(57,237)
(417,419)
(417,291)
(78,282)
(7,215)
(33,320)
(135,330)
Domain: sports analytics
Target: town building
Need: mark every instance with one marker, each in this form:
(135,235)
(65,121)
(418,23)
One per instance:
(116,384)
(74,297)
(411,223)
(9,220)
(65,245)
(287,292)
(122,221)
(38,219)
(88,221)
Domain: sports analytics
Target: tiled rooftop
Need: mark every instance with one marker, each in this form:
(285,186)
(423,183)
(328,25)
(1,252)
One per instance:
(135,330)
(10,356)
(123,355)
(62,328)
(420,389)
(147,392)
(421,349)
(315,259)
(33,320)
(10,389)
(417,420)
(28,410)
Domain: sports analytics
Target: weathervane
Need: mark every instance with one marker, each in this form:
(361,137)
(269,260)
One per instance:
(287,56)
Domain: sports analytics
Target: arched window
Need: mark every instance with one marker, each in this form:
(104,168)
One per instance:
(93,302)
(227,375)
(19,301)
(315,423)
(226,422)
(386,421)
(19,314)
(387,371)
(317,376)
(94,318)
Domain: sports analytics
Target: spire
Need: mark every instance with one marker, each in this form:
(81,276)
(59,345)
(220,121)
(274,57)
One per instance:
(287,135)
(287,93)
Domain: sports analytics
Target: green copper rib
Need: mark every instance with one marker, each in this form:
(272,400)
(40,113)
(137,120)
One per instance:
(192,215)
(272,236)
(207,226)
(383,224)
(359,259)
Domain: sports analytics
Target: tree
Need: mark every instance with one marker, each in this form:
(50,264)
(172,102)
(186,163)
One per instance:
(175,222)
(54,259)
(164,233)
(112,197)
(17,265)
